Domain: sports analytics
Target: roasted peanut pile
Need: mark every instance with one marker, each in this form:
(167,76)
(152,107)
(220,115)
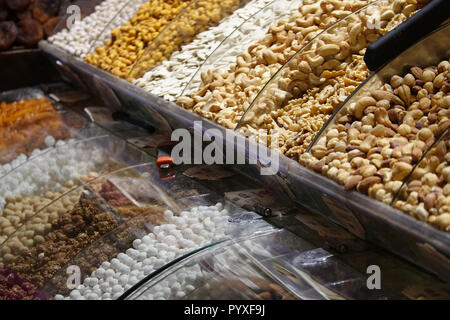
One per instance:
(198,17)
(25,124)
(320,78)
(225,95)
(128,42)
(375,144)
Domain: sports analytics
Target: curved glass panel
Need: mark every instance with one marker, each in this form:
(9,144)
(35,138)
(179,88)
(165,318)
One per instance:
(223,271)
(146,243)
(198,17)
(425,191)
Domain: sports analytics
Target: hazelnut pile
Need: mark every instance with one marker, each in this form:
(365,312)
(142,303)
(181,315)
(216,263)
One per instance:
(18,209)
(375,144)
(14,287)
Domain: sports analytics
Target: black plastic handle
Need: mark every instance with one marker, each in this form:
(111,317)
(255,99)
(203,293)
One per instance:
(407,34)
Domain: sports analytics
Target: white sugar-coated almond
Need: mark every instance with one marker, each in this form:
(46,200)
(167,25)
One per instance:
(95,29)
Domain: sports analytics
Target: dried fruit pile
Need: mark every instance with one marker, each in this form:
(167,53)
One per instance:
(26,22)
(25,124)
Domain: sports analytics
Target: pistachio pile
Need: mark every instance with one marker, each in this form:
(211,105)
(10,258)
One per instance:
(374,144)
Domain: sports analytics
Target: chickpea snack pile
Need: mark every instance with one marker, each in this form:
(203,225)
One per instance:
(128,42)
(375,145)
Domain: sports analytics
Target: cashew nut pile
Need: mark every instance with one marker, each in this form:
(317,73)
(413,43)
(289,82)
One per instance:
(374,146)
(226,94)
(128,43)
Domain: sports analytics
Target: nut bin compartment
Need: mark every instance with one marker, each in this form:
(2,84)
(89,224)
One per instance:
(30,185)
(197,17)
(220,271)
(423,194)
(78,37)
(316,80)
(347,116)
(225,96)
(378,87)
(214,49)
(147,242)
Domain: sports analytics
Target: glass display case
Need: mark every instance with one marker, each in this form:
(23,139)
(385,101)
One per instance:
(365,217)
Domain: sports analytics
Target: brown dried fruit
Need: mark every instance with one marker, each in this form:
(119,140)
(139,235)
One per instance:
(45,9)
(50,26)
(8,34)
(30,32)
(417,72)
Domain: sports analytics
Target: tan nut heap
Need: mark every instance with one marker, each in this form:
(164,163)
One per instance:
(376,144)
(320,78)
